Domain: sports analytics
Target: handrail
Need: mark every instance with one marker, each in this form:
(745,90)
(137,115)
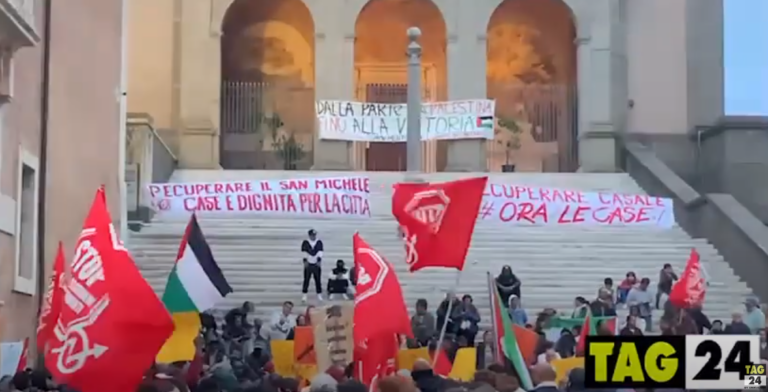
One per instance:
(735,232)
(144,119)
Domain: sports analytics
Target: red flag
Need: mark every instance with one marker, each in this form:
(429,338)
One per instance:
(375,359)
(691,289)
(24,359)
(590,326)
(111,319)
(443,365)
(379,305)
(438,220)
(49,312)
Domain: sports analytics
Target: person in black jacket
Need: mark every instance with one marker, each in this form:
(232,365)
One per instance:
(737,325)
(312,248)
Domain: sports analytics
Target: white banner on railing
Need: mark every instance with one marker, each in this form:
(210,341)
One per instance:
(527,206)
(332,197)
(387,122)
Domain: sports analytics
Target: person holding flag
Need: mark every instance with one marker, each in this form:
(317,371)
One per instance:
(111,324)
(512,344)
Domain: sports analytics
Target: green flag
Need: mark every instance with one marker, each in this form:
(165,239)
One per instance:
(512,349)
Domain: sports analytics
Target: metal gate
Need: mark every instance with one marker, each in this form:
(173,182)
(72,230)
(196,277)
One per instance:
(266,126)
(537,128)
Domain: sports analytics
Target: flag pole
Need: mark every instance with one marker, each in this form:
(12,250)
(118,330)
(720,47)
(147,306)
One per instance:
(492,293)
(445,322)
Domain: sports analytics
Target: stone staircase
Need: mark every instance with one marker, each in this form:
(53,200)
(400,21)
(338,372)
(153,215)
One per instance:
(261,257)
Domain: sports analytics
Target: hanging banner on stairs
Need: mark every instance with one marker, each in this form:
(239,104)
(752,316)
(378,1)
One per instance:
(387,122)
(330,197)
(533,206)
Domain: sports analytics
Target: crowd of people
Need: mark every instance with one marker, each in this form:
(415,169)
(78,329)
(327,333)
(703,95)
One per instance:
(233,350)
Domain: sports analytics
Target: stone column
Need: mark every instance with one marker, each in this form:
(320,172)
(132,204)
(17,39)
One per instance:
(602,99)
(199,87)
(466,80)
(334,71)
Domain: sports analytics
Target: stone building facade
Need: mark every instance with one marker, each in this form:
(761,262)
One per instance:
(82,145)
(575,73)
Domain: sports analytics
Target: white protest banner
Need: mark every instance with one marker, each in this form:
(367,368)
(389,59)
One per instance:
(529,206)
(11,354)
(333,197)
(387,122)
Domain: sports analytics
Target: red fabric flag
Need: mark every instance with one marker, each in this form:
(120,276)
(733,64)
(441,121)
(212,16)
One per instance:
(590,326)
(49,311)
(24,359)
(438,220)
(379,305)
(375,359)
(443,365)
(111,323)
(690,290)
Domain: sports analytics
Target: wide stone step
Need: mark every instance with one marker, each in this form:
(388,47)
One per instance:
(270,301)
(533,296)
(260,253)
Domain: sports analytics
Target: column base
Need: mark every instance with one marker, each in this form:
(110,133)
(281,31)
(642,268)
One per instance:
(199,149)
(332,155)
(597,152)
(468,155)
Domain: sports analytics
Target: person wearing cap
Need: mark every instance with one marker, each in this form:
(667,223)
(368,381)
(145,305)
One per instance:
(755,318)
(312,249)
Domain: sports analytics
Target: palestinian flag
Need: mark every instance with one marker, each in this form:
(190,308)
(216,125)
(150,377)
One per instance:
(591,326)
(195,285)
(515,342)
(485,122)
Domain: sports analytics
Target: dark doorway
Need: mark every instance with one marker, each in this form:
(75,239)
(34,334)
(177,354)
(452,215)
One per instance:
(386,156)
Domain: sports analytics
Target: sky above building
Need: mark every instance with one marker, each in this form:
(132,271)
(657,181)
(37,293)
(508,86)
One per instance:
(746,57)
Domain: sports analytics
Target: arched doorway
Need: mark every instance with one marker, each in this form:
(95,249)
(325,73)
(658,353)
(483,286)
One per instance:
(381,71)
(267,90)
(531,73)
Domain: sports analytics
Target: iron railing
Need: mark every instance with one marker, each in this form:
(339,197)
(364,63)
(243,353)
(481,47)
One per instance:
(267,126)
(272,126)
(26,9)
(149,159)
(536,128)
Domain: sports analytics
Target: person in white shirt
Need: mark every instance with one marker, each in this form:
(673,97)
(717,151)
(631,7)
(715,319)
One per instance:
(282,322)
(312,248)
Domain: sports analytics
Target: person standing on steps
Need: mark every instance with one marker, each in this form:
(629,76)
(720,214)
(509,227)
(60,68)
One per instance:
(312,248)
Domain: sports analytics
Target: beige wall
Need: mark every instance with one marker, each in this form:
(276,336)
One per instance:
(150,59)
(675,67)
(83,135)
(21,129)
(663,55)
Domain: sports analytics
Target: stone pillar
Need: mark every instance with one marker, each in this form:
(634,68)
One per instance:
(466,80)
(199,80)
(602,100)
(334,72)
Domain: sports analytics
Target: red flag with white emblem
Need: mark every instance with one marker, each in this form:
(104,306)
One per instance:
(111,323)
(437,220)
(379,304)
(49,311)
(380,314)
(690,290)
